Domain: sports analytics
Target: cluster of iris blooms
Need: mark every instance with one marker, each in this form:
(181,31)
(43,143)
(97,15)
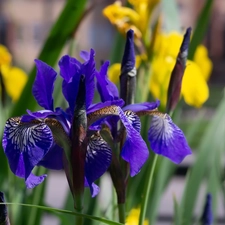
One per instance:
(84,138)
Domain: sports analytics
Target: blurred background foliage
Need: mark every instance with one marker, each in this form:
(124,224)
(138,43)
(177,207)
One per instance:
(48,29)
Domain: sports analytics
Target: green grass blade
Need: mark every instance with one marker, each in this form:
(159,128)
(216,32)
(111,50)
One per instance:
(61,31)
(54,210)
(212,143)
(200,29)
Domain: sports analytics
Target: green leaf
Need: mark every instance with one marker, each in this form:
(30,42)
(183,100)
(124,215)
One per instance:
(212,143)
(200,29)
(64,27)
(54,210)
(176,211)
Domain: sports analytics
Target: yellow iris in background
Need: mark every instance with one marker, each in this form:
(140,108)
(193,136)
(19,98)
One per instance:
(164,52)
(14,79)
(135,18)
(194,85)
(133,217)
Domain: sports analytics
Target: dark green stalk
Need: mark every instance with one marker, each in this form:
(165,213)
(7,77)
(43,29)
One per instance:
(147,190)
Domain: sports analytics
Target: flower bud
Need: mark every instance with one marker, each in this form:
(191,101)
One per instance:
(174,89)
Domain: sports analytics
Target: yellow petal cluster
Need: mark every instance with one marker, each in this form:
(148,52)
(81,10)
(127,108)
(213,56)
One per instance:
(194,85)
(13,77)
(133,217)
(136,18)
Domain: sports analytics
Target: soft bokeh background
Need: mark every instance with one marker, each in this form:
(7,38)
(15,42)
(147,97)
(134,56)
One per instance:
(24,25)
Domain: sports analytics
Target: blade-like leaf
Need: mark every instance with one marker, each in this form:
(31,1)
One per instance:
(200,29)
(50,209)
(61,31)
(212,143)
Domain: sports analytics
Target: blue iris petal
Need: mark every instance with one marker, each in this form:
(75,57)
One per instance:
(89,72)
(134,120)
(94,189)
(69,67)
(135,150)
(32,181)
(107,89)
(53,159)
(98,159)
(25,145)
(137,107)
(44,84)
(100,105)
(70,70)
(167,139)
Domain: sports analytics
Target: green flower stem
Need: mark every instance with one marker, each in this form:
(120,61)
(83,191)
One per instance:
(147,191)
(122,216)
(79,220)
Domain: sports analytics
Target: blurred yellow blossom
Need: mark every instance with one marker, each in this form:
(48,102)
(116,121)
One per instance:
(133,217)
(5,57)
(14,78)
(194,85)
(136,18)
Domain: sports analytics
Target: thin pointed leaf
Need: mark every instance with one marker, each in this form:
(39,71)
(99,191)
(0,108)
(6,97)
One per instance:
(70,16)
(200,29)
(50,209)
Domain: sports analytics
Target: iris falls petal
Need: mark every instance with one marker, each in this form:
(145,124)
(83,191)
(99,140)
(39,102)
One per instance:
(98,159)
(134,120)
(25,145)
(135,150)
(167,139)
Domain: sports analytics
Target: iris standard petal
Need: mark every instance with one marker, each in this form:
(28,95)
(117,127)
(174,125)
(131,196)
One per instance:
(69,67)
(44,84)
(85,55)
(70,91)
(167,139)
(98,159)
(135,150)
(89,71)
(25,144)
(107,89)
(137,107)
(70,71)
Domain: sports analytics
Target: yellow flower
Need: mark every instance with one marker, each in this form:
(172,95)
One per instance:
(5,57)
(133,217)
(14,78)
(125,18)
(194,85)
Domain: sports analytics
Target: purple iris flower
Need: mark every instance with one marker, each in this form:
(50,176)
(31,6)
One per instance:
(27,140)
(30,141)
(98,155)
(165,137)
